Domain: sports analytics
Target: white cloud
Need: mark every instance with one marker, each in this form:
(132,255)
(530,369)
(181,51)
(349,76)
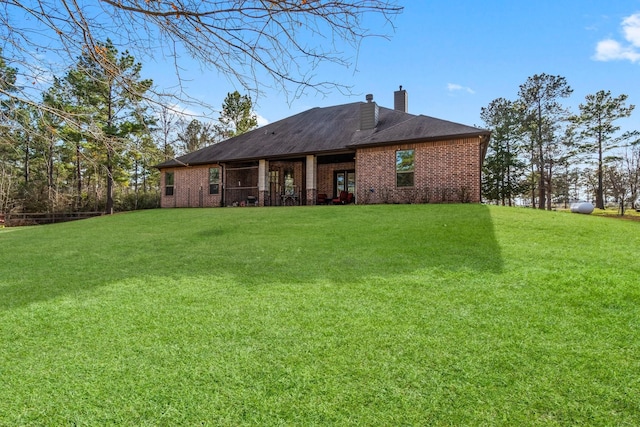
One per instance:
(261,120)
(453,87)
(186,113)
(631,29)
(612,50)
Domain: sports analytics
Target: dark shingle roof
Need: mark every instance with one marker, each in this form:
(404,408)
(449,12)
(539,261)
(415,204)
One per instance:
(325,130)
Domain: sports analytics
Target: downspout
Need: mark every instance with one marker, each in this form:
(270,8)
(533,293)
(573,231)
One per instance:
(223,179)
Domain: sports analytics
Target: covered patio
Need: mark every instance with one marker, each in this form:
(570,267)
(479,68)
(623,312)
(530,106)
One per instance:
(288,182)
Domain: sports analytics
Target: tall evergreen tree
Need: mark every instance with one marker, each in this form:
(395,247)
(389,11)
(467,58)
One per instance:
(502,170)
(237,116)
(29,134)
(7,149)
(65,99)
(110,85)
(195,135)
(540,95)
(596,120)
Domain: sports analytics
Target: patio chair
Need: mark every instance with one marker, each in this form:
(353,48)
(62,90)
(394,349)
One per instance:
(341,199)
(322,199)
(349,198)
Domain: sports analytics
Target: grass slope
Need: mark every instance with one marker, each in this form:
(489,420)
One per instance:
(328,315)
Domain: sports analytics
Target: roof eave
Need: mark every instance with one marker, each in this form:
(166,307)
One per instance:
(356,145)
(256,158)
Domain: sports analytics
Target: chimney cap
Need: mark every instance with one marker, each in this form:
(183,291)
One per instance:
(369,97)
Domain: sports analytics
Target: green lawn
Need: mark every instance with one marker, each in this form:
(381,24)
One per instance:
(383,315)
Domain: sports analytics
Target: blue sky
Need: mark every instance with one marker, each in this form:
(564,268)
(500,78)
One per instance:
(454,57)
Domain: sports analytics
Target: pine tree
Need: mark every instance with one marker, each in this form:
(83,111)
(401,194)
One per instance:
(502,170)
(596,120)
(237,116)
(540,95)
(108,82)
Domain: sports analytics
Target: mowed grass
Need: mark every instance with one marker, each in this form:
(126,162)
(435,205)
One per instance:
(327,315)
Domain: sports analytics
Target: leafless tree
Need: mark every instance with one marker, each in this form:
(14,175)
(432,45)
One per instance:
(631,161)
(166,131)
(256,43)
(617,181)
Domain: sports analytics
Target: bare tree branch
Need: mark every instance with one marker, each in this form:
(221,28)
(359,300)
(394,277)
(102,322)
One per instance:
(245,40)
(255,44)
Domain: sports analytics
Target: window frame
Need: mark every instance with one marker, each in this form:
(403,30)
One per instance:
(405,172)
(214,180)
(169,183)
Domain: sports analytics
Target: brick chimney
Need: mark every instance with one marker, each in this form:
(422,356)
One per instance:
(368,114)
(401,100)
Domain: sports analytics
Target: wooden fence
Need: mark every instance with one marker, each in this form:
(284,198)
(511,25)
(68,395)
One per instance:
(18,219)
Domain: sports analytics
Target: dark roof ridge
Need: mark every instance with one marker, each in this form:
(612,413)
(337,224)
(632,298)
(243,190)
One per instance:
(449,121)
(416,128)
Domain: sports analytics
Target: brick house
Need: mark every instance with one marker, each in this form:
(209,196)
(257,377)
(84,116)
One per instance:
(370,153)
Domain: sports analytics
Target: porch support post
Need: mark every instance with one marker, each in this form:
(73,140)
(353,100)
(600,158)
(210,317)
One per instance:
(263,178)
(312,180)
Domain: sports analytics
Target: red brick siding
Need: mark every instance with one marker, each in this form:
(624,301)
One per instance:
(190,189)
(324,179)
(445,171)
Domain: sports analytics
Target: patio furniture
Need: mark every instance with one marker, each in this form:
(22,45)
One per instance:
(341,199)
(289,199)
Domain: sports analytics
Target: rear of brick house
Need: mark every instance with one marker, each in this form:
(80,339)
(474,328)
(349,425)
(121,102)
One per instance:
(379,155)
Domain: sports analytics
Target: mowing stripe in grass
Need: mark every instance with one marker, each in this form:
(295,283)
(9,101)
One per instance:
(348,315)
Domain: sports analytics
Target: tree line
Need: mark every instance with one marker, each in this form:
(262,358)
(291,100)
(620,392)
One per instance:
(88,140)
(543,155)
(91,141)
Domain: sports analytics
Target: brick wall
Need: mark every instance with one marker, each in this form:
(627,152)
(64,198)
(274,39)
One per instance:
(190,189)
(445,171)
(324,179)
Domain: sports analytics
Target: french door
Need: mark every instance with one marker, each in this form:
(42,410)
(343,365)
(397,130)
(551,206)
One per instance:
(344,181)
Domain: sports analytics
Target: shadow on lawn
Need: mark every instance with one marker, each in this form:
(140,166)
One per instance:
(253,247)
(405,241)
(354,243)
